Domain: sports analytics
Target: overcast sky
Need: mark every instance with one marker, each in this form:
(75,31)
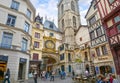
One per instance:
(49,8)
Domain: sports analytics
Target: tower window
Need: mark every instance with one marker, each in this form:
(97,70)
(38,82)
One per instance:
(63,23)
(74,21)
(72,6)
(62,8)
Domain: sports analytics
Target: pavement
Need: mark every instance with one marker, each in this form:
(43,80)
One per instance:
(57,80)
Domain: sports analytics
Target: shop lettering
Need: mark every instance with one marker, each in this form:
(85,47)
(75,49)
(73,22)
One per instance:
(103,58)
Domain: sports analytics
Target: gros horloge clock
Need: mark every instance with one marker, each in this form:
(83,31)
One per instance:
(49,44)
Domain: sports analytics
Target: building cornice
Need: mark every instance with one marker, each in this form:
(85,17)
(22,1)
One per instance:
(2,6)
(16,28)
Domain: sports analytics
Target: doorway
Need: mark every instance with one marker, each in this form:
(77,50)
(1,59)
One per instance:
(22,69)
(105,70)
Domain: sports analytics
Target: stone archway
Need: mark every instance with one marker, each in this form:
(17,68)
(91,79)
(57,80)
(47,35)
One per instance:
(50,61)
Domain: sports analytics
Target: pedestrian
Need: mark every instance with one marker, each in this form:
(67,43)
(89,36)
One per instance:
(35,77)
(73,74)
(52,76)
(46,75)
(111,79)
(99,79)
(114,79)
(7,76)
(61,75)
(86,73)
(64,74)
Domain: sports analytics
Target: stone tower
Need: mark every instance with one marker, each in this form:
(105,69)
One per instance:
(68,19)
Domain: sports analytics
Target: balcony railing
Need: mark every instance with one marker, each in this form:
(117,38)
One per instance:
(2,45)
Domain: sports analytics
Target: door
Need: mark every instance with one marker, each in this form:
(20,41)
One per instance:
(117,61)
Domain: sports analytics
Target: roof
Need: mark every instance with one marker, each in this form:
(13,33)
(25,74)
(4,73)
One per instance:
(51,26)
(89,8)
(85,26)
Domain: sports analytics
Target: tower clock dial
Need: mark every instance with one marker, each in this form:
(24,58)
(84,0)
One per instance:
(49,44)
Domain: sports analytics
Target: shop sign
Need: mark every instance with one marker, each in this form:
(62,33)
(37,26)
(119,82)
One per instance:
(22,60)
(3,58)
(103,58)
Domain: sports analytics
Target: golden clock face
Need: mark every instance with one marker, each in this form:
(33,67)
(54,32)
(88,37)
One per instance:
(49,44)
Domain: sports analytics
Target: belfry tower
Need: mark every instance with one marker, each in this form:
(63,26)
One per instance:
(68,19)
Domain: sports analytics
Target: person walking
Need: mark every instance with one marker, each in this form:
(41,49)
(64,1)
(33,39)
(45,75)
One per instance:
(35,77)
(114,79)
(111,79)
(7,76)
(52,76)
(73,74)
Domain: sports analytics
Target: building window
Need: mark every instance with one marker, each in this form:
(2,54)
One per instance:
(72,6)
(86,56)
(51,34)
(37,35)
(51,26)
(62,56)
(14,5)
(118,27)
(62,8)
(98,51)
(24,44)
(92,20)
(35,56)
(63,23)
(69,57)
(11,20)
(117,19)
(62,47)
(70,68)
(92,35)
(80,38)
(62,68)
(74,21)
(111,1)
(37,25)
(95,7)
(104,50)
(26,27)
(6,40)
(28,13)
(99,31)
(36,44)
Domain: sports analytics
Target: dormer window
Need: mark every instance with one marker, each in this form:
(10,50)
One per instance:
(37,25)
(51,26)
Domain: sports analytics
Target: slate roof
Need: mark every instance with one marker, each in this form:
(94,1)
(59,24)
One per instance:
(51,26)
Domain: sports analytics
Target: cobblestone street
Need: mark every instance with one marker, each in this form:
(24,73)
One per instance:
(57,80)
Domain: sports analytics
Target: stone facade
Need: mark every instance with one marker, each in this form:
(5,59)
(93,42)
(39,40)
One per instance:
(15,38)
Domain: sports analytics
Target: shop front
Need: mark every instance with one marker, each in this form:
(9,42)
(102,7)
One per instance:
(3,65)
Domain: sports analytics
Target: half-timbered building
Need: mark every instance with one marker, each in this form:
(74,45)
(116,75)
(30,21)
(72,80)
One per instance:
(109,11)
(100,51)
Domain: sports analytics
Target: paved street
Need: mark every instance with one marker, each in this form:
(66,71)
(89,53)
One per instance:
(57,80)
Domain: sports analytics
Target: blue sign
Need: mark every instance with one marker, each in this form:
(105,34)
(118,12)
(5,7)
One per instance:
(3,58)
(113,70)
(22,60)
(97,70)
